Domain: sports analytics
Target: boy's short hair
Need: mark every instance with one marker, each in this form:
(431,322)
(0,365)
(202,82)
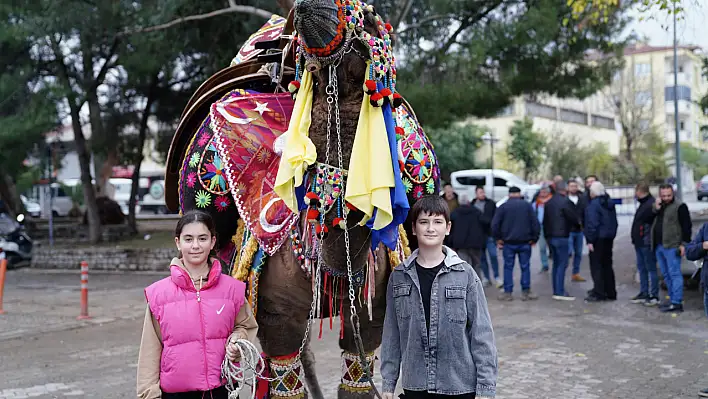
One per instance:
(432,205)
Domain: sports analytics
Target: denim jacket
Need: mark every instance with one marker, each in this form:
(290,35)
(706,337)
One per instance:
(460,355)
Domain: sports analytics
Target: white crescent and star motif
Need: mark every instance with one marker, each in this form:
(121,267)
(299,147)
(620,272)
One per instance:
(261,108)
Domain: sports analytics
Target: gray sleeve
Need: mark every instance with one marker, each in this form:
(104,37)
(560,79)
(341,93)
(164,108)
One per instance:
(481,336)
(390,343)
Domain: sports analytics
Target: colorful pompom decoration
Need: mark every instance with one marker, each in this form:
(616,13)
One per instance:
(377,100)
(312,199)
(389,28)
(319,229)
(294,86)
(339,222)
(387,95)
(370,87)
(351,207)
(313,215)
(397,100)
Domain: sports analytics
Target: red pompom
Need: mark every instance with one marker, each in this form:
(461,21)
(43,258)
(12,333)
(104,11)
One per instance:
(313,214)
(389,28)
(401,166)
(370,87)
(311,198)
(397,100)
(294,86)
(339,222)
(319,229)
(387,94)
(377,100)
(351,207)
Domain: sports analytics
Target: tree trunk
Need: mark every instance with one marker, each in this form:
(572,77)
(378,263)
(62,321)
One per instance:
(9,195)
(103,169)
(142,135)
(82,151)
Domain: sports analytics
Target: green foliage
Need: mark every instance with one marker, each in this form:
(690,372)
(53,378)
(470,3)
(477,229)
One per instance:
(526,146)
(601,163)
(696,158)
(652,162)
(566,156)
(455,147)
(485,52)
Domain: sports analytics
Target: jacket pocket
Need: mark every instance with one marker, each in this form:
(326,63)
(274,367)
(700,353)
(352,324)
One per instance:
(455,304)
(402,295)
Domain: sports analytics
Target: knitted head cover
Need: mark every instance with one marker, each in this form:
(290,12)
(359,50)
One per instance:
(320,25)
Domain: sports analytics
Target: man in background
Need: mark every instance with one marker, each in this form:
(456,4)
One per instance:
(559,218)
(488,209)
(580,202)
(468,235)
(641,239)
(450,197)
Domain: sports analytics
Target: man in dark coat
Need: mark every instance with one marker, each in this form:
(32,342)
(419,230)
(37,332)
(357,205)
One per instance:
(488,208)
(559,218)
(641,239)
(467,235)
(516,229)
(580,202)
(600,231)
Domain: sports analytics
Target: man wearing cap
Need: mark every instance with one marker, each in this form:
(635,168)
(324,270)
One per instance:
(516,229)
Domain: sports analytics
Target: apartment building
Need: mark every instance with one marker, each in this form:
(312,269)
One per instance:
(589,120)
(647,86)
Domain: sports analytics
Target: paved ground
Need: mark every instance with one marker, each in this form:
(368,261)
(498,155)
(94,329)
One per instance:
(547,349)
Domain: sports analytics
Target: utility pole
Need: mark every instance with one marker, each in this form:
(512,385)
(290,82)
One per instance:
(677,147)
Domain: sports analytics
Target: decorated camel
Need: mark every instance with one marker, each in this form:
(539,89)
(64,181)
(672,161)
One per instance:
(309,159)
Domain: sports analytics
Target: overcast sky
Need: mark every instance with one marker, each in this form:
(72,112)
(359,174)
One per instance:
(692,30)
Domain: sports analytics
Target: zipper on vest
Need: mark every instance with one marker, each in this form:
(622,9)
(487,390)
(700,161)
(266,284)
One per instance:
(201,322)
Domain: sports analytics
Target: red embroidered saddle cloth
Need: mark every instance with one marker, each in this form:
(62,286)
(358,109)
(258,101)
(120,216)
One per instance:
(245,129)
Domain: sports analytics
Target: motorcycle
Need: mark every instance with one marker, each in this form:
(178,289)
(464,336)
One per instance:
(15,244)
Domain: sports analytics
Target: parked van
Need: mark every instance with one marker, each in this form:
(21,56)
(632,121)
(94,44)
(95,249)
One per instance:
(496,186)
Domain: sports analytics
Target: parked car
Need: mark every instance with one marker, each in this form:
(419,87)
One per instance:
(496,182)
(702,188)
(32,208)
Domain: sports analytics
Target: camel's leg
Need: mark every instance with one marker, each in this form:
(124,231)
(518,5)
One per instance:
(285,296)
(354,384)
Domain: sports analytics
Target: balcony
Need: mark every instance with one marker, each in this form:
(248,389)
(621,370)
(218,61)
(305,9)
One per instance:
(684,107)
(684,79)
(684,134)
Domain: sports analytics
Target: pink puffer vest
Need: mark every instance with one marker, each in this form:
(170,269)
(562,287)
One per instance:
(194,326)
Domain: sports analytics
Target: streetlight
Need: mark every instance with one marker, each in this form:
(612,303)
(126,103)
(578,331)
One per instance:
(677,146)
(489,137)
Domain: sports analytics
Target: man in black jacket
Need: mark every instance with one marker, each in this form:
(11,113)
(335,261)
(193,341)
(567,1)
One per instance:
(488,208)
(467,235)
(641,239)
(516,229)
(559,218)
(580,202)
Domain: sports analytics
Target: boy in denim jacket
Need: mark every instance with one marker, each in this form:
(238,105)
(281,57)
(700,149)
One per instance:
(437,328)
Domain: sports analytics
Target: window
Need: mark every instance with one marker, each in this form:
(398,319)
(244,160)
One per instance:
(544,111)
(642,69)
(684,93)
(642,98)
(499,182)
(471,180)
(682,125)
(603,122)
(568,115)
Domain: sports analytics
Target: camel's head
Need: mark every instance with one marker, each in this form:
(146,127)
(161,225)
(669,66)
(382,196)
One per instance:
(350,35)
(349,38)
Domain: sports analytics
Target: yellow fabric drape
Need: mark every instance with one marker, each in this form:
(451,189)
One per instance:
(370,175)
(299,150)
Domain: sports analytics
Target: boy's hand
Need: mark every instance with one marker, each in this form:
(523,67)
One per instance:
(388,395)
(705,245)
(500,244)
(591,247)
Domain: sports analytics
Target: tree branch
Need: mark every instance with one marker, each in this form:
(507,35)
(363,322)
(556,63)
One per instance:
(402,15)
(422,22)
(105,67)
(231,9)
(466,23)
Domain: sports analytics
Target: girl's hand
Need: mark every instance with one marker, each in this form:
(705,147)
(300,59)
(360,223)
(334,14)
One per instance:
(388,395)
(232,351)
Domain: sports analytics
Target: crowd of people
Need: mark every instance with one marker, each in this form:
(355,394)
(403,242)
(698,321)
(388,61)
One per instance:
(558,222)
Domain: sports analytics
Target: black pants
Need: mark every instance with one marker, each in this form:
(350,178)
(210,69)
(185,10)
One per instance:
(216,393)
(426,395)
(603,276)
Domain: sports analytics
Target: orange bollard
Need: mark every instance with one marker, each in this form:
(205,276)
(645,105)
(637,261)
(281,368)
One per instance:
(84,292)
(3,270)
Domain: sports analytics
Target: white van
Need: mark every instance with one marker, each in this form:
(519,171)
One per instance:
(495,185)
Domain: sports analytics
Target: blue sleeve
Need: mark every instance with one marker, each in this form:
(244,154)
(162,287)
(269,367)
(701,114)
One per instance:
(592,224)
(694,250)
(496,222)
(535,226)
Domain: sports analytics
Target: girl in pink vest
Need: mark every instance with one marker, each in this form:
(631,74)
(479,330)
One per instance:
(192,321)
